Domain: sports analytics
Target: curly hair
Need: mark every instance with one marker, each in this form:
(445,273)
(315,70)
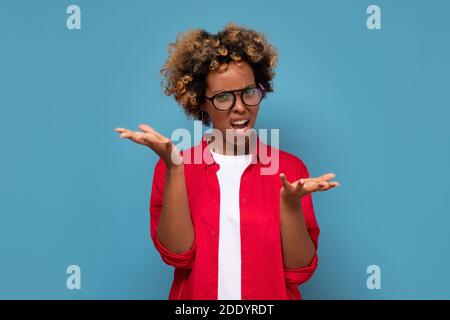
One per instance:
(196,52)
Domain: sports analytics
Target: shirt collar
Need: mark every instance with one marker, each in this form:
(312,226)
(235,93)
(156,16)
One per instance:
(263,151)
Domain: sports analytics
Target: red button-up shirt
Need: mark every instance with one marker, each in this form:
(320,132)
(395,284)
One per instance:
(263,274)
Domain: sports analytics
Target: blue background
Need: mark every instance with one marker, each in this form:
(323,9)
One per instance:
(369,105)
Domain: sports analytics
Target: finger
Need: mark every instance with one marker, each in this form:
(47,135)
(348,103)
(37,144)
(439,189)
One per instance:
(333,184)
(146,128)
(286,185)
(160,138)
(139,135)
(126,133)
(328,176)
(299,184)
(328,185)
(120,130)
(284,181)
(312,185)
(134,136)
(325,177)
(319,185)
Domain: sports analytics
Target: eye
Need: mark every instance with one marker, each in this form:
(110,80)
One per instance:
(223,97)
(250,91)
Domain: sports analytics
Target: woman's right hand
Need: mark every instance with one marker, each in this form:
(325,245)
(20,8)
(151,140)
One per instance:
(161,145)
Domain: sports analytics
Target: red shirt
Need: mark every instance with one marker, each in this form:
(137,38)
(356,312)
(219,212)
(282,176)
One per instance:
(263,275)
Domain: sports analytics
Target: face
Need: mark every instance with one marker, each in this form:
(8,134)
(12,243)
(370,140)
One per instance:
(234,78)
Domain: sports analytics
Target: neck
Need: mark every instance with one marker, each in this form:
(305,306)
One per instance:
(231,148)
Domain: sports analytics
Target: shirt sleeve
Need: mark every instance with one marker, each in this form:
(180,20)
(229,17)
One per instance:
(179,260)
(298,276)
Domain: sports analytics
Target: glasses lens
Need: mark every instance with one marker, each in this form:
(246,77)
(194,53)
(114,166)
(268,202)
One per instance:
(252,96)
(224,101)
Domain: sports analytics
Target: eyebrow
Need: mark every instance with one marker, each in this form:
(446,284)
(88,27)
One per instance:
(246,87)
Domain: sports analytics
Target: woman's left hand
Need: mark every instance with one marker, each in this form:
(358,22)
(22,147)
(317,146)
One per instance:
(304,186)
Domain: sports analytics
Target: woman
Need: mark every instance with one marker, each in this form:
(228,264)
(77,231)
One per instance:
(230,231)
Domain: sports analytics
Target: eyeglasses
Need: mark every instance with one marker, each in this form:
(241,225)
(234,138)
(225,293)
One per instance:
(225,100)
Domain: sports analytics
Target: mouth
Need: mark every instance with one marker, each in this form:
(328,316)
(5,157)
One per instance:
(240,125)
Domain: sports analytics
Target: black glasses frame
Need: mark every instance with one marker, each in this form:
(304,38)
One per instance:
(233,92)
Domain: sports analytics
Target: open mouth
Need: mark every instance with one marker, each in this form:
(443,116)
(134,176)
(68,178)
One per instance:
(240,124)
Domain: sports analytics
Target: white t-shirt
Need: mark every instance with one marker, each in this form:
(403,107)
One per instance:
(229,176)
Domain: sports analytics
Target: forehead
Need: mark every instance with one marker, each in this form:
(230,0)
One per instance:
(236,76)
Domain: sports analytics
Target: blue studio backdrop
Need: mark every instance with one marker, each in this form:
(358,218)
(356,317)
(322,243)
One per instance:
(369,104)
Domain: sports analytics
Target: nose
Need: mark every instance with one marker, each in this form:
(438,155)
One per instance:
(239,106)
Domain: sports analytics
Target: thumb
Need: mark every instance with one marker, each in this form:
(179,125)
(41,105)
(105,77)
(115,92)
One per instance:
(285,182)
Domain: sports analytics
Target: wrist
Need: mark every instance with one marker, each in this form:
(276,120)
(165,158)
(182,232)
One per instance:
(290,201)
(172,167)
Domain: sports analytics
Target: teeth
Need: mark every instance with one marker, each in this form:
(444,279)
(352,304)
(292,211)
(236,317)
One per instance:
(240,122)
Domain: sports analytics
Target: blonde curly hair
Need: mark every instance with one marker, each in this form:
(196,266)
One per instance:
(196,52)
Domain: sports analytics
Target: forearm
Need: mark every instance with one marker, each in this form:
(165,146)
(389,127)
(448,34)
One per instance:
(298,248)
(175,229)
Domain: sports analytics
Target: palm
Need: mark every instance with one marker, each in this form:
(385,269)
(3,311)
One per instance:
(304,186)
(160,144)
